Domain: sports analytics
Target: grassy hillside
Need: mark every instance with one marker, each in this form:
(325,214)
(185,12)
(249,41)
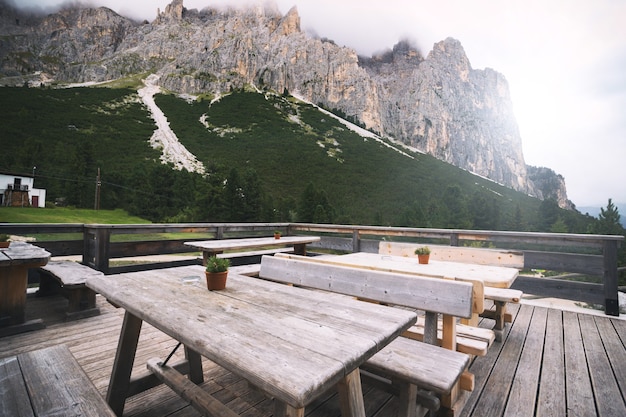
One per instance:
(269,158)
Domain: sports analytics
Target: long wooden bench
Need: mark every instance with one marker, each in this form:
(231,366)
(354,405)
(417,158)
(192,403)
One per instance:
(70,277)
(412,369)
(469,339)
(480,256)
(48,382)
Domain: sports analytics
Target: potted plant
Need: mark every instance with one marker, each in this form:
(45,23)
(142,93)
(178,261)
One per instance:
(423,254)
(216,273)
(4,240)
(276,234)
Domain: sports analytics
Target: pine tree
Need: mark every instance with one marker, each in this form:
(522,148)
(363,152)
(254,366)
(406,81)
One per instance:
(609,221)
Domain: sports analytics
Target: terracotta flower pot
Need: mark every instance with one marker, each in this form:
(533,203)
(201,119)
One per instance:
(423,259)
(276,235)
(216,280)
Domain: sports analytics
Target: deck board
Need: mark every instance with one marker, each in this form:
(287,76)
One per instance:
(579,393)
(549,360)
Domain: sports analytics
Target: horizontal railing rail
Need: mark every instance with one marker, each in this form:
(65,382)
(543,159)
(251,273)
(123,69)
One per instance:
(99,244)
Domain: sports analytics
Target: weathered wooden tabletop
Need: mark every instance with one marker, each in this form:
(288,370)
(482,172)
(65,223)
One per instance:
(291,342)
(19,253)
(220,245)
(492,276)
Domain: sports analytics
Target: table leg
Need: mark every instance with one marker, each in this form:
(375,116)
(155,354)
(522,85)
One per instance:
(351,395)
(195,366)
(13,284)
(123,365)
(299,249)
(207,254)
(282,409)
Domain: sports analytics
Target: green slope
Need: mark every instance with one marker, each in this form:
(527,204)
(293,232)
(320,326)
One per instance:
(363,178)
(279,146)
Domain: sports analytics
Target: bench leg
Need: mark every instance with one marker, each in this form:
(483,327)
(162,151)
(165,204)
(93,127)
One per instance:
(123,365)
(351,395)
(407,400)
(47,285)
(82,303)
(500,313)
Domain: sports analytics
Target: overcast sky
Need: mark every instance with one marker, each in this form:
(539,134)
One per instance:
(564,60)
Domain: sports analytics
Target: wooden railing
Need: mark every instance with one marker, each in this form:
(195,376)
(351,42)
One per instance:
(593,255)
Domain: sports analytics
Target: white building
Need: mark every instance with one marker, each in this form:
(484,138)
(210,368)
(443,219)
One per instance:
(16,190)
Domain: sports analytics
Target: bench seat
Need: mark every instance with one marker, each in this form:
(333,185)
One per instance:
(48,382)
(70,277)
(469,339)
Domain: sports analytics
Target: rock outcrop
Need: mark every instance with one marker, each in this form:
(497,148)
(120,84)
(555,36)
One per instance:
(438,104)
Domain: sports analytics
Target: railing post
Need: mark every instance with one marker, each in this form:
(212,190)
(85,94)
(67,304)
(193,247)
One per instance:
(356,241)
(611,302)
(454,239)
(96,249)
(219,234)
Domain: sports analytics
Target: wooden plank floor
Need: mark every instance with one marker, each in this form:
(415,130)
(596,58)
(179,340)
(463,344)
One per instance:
(550,363)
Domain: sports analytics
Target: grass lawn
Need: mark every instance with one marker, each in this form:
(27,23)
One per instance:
(66,215)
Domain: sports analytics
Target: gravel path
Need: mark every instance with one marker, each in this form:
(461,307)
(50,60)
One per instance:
(164,137)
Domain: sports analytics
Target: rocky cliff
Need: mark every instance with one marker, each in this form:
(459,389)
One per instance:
(438,104)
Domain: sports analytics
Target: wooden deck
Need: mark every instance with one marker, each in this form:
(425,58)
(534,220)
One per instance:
(550,363)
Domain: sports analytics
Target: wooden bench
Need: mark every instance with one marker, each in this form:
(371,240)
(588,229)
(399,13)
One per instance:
(409,368)
(469,339)
(48,382)
(70,277)
(479,256)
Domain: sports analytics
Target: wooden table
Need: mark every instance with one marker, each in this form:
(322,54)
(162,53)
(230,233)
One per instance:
(491,276)
(214,247)
(292,343)
(498,277)
(14,264)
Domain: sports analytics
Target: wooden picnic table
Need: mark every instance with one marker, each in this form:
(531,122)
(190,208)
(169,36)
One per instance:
(14,264)
(292,343)
(214,247)
(490,282)
(491,276)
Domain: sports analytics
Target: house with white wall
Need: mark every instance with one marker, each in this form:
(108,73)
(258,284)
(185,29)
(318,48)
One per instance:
(17,190)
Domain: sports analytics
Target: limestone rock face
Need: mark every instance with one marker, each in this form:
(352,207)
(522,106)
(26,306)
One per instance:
(550,185)
(437,104)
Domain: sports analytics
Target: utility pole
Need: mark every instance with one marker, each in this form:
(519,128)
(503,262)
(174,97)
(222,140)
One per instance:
(98,186)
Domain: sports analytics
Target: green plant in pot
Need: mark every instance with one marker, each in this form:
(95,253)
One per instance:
(423,254)
(4,240)
(277,234)
(216,273)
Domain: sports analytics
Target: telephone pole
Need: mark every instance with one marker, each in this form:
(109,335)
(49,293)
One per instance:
(98,186)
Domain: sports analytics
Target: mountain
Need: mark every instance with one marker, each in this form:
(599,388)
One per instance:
(265,156)
(437,104)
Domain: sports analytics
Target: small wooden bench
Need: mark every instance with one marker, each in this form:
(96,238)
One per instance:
(48,382)
(70,277)
(413,369)
(479,256)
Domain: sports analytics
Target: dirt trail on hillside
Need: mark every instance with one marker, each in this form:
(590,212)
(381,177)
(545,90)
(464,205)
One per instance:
(164,137)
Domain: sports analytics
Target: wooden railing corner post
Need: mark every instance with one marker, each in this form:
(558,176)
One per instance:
(96,253)
(611,301)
